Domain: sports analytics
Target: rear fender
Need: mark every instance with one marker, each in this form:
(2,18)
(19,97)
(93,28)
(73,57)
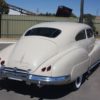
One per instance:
(74,63)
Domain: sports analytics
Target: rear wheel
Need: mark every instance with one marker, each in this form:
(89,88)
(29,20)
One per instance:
(77,83)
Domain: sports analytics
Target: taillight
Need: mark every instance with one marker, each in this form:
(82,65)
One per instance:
(2,62)
(46,68)
(43,69)
(49,68)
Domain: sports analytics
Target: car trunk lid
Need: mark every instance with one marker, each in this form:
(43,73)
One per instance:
(30,53)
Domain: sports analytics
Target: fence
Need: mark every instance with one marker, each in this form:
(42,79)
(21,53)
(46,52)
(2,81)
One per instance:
(13,26)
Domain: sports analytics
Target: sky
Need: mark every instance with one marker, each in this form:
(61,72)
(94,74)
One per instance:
(50,6)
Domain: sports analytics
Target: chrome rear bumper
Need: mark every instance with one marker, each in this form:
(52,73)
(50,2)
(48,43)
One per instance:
(22,75)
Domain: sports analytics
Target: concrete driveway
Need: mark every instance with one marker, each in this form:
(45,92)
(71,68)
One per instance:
(13,90)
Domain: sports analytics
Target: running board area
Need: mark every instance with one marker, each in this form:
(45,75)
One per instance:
(94,65)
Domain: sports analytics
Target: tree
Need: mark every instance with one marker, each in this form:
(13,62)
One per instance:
(4,9)
(89,20)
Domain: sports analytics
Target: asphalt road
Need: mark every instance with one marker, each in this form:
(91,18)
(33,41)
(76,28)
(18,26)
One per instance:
(13,90)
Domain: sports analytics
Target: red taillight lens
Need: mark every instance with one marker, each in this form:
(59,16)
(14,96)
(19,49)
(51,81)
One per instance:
(43,69)
(2,62)
(49,68)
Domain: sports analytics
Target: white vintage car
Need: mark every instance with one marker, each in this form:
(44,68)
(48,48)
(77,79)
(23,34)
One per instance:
(51,53)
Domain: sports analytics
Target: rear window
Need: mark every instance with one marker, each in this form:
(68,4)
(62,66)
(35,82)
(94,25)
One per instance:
(46,32)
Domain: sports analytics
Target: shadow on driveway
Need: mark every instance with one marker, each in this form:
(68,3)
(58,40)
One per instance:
(48,92)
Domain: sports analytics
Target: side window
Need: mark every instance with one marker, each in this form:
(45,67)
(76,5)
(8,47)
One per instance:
(80,36)
(89,33)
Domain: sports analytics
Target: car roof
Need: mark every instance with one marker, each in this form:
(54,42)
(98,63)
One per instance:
(63,25)
(68,30)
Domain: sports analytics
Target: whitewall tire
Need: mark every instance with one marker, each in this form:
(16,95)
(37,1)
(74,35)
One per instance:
(77,83)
